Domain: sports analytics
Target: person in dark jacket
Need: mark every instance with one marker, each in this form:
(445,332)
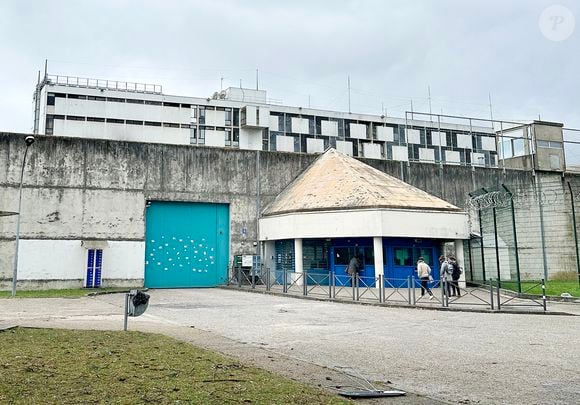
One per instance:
(455,275)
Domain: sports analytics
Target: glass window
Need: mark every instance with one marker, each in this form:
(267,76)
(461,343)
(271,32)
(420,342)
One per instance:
(50,99)
(425,253)
(342,255)
(403,257)
(315,252)
(192,135)
(518,147)
(506,148)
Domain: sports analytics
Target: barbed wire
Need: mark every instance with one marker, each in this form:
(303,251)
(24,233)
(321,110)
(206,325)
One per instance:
(504,199)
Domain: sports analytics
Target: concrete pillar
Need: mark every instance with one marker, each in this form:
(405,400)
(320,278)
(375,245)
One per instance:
(460,260)
(379,261)
(298,259)
(269,255)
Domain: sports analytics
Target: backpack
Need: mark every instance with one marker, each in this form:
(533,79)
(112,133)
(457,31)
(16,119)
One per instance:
(455,269)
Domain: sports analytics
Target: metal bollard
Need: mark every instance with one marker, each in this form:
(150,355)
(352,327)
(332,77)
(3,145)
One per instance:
(544,295)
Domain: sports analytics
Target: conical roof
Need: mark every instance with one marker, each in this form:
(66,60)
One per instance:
(336,181)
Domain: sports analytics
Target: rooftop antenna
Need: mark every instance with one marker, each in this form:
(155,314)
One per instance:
(382,108)
(490,110)
(257,79)
(240,83)
(412,117)
(349,94)
(221,83)
(429,94)
(309,101)
(45,67)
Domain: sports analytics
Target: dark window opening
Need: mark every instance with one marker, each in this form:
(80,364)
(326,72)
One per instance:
(74,118)
(50,99)
(115,121)
(166,104)
(95,119)
(170,125)
(133,101)
(116,100)
(77,96)
(151,102)
(134,122)
(152,124)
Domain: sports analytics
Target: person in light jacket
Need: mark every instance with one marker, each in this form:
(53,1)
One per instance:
(424,271)
(445,274)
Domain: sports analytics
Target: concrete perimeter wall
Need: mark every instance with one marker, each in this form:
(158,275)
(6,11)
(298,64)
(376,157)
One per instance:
(79,189)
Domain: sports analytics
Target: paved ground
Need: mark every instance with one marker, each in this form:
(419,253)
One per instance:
(442,356)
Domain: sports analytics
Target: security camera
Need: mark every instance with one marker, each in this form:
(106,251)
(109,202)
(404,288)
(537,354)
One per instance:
(29,140)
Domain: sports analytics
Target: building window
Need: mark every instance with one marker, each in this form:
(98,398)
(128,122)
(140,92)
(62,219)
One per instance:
(236,138)
(49,128)
(50,99)
(74,118)
(133,122)
(115,121)
(170,125)
(550,144)
(152,102)
(77,96)
(152,124)
(171,104)
(202,115)
(95,119)
(96,98)
(192,136)
(228,136)
(228,118)
(116,99)
(94,266)
(133,101)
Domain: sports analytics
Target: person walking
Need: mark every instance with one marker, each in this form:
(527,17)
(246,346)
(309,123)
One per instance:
(455,274)
(445,275)
(354,267)
(424,273)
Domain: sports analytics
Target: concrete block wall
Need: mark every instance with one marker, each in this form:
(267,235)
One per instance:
(77,189)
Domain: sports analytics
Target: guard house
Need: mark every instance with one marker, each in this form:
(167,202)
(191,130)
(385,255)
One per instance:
(340,207)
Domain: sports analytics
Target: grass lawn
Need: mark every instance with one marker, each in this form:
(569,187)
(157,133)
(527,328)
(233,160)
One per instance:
(553,287)
(64,366)
(69,293)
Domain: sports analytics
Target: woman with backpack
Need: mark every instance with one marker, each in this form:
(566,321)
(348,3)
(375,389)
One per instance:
(455,274)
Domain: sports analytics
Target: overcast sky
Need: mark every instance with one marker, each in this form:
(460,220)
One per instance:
(305,50)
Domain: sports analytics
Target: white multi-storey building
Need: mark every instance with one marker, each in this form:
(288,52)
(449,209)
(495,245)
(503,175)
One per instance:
(243,118)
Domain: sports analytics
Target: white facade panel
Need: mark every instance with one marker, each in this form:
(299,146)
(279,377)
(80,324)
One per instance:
(215,138)
(366,223)
(329,128)
(488,143)
(121,260)
(314,145)
(464,141)
(372,150)
(439,138)
(477,159)
(300,125)
(251,115)
(344,147)
(426,155)
(452,157)
(251,138)
(215,118)
(263,117)
(400,153)
(413,136)
(274,121)
(385,134)
(284,143)
(358,131)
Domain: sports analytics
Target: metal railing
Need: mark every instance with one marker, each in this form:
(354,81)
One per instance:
(343,287)
(103,84)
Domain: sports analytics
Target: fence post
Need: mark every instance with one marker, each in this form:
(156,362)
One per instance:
(409,289)
(330,280)
(333,284)
(304,282)
(491,293)
(352,284)
(442,285)
(357,280)
(267,279)
(253,272)
(239,270)
(498,296)
(285,282)
(414,296)
(381,298)
(544,294)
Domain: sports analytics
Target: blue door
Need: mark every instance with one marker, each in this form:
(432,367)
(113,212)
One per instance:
(401,262)
(186,244)
(340,257)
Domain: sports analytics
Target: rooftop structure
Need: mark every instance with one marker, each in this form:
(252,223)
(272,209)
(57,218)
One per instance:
(248,119)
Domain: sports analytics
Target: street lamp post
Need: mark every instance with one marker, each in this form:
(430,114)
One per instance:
(29,140)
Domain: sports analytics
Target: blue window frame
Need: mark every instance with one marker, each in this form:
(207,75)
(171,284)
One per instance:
(94,265)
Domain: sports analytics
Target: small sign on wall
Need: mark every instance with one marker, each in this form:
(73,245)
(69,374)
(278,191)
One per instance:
(247,260)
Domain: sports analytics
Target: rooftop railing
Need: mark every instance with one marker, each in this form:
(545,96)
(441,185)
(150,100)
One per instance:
(103,84)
